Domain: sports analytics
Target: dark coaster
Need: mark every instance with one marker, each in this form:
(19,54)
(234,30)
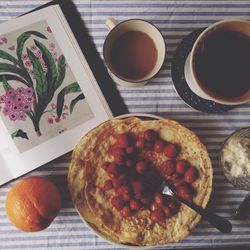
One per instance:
(181,86)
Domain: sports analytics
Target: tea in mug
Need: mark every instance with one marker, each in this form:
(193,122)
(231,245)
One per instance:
(222,64)
(133,55)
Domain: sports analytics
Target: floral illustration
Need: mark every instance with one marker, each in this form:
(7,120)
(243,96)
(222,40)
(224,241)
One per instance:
(39,72)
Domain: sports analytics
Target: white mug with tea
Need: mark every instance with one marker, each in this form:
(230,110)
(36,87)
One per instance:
(218,66)
(134,51)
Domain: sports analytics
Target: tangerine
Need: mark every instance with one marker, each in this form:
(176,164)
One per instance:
(33,203)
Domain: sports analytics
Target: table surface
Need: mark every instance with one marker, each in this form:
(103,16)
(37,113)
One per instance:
(175,19)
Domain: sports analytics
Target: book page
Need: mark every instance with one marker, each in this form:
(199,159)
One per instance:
(48,97)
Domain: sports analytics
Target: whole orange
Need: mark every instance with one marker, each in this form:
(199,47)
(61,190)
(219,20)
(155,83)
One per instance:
(33,203)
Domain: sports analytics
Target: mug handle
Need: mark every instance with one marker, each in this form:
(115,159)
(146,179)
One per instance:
(111,23)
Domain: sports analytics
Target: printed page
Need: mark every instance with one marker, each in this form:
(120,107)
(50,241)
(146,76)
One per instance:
(48,97)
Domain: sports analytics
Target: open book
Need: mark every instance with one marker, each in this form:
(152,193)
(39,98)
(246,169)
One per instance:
(48,95)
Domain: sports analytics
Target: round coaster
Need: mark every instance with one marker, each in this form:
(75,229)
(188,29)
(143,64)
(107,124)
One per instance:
(181,86)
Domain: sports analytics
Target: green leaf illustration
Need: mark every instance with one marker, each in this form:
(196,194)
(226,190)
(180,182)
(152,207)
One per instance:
(74,102)
(13,77)
(23,38)
(50,63)
(71,88)
(7,56)
(61,71)
(20,133)
(9,68)
(6,84)
(41,83)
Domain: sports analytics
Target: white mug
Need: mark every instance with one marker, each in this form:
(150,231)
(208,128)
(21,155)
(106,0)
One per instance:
(115,31)
(241,26)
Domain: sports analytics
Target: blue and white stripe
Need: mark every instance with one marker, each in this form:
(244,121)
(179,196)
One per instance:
(175,19)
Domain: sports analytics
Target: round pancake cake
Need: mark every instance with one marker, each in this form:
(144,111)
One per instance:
(116,173)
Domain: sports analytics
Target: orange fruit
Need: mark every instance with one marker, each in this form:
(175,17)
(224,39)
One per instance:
(33,203)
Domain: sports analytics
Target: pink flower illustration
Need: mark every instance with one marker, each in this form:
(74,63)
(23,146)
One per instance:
(28,63)
(33,47)
(52,46)
(10,92)
(13,116)
(24,57)
(6,111)
(4,39)
(26,107)
(20,91)
(54,54)
(11,47)
(50,120)
(29,99)
(38,54)
(15,107)
(49,29)
(57,119)
(19,99)
(8,102)
(2,99)
(21,116)
(29,91)
(65,106)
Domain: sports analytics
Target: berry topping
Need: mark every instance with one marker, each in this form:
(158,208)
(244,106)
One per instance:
(130,150)
(140,143)
(117,202)
(135,205)
(181,166)
(126,212)
(158,199)
(184,192)
(150,135)
(123,140)
(191,175)
(157,215)
(168,167)
(167,212)
(159,146)
(141,166)
(170,150)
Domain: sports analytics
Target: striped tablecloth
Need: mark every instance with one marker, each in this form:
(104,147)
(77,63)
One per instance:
(175,19)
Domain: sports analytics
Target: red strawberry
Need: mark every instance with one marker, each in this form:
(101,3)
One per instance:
(107,185)
(158,199)
(117,202)
(150,135)
(130,150)
(137,186)
(122,190)
(170,150)
(159,146)
(168,167)
(184,192)
(181,166)
(119,154)
(167,212)
(140,143)
(123,140)
(191,175)
(129,163)
(126,197)
(141,166)
(135,205)
(157,215)
(126,212)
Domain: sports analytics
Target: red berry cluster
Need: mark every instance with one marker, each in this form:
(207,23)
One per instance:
(136,181)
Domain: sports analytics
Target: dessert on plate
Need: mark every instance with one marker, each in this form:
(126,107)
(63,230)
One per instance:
(116,173)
